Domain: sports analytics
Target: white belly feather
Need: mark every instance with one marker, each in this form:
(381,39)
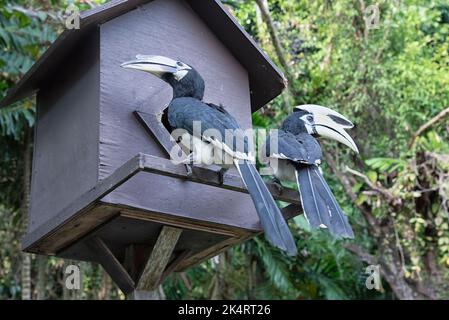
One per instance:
(206,153)
(283,169)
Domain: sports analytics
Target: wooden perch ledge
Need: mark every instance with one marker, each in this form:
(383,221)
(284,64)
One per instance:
(74,225)
(206,176)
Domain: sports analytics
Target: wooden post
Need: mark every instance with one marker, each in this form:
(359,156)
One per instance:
(157,266)
(153,272)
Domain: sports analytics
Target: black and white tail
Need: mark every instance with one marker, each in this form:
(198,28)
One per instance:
(319,204)
(273,223)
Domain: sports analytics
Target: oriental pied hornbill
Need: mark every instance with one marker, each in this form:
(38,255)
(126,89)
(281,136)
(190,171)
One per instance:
(187,107)
(298,156)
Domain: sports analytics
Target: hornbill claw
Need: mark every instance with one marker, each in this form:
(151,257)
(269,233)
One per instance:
(189,170)
(221,174)
(188,164)
(278,185)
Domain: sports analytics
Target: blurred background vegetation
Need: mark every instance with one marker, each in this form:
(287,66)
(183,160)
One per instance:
(392,80)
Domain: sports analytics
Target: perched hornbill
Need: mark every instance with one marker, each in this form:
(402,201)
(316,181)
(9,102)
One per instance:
(187,107)
(298,156)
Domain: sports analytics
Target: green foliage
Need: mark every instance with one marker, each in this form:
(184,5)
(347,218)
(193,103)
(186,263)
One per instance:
(387,165)
(389,80)
(419,183)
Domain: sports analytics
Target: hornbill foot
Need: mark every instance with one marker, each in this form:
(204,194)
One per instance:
(189,170)
(278,185)
(188,164)
(221,174)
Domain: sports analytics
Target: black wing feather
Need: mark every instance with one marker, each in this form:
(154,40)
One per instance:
(273,223)
(319,204)
(184,111)
(301,148)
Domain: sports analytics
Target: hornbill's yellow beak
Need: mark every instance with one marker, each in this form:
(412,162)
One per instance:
(330,124)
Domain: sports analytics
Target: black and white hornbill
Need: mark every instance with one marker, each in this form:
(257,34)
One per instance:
(185,109)
(298,156)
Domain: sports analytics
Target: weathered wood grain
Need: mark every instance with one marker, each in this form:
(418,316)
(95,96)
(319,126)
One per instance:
(181,222)
(144,295)
(62,237)
(159,258)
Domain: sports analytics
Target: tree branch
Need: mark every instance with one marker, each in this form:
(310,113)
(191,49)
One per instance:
(427,125)
(395,201)
(263,6)
(265,11)
(362,254)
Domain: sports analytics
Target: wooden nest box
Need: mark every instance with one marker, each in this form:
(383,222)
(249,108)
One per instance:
(103,188)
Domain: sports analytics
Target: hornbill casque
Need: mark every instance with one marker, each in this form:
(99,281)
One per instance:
(298,156)
(187,107)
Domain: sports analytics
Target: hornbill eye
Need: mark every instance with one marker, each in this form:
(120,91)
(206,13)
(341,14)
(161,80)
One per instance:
(309,118)
(179,63)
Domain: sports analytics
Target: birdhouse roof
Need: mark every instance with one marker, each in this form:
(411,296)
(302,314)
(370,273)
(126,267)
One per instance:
(266,80)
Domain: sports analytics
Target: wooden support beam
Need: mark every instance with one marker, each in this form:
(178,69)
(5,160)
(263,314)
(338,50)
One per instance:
(111,265)
(159,258)
(146,295)
(291,211)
